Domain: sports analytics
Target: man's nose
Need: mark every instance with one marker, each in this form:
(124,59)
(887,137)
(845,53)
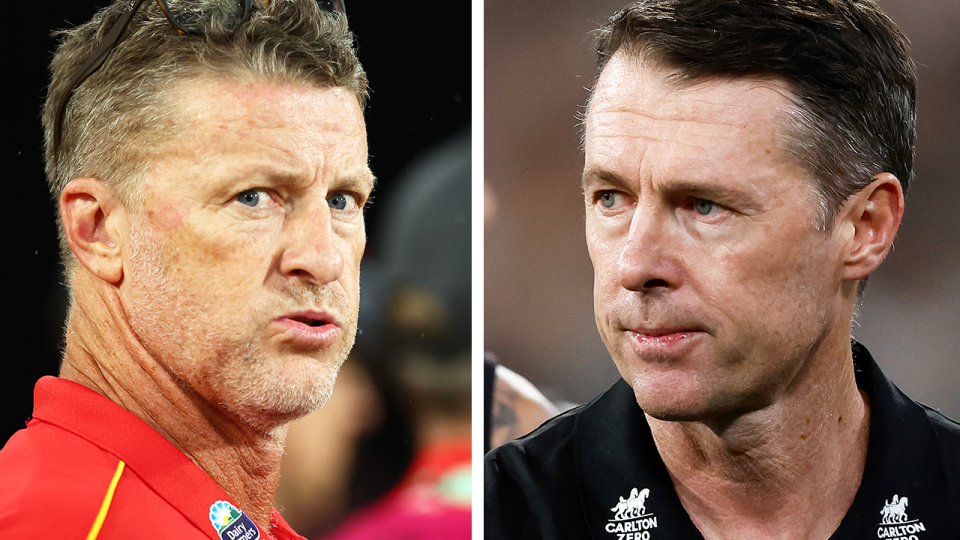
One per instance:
(647,260)
(312,249)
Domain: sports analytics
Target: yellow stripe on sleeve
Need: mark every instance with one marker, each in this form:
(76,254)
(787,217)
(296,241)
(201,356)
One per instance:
(105,506)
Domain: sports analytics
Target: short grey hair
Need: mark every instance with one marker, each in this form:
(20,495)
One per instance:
(124,110)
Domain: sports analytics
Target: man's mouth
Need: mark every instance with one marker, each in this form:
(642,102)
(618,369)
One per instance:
(309,321)
(310,317)
(662,338)
(309,328)
(657,338)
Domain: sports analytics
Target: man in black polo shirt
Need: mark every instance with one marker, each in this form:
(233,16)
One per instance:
(745,164)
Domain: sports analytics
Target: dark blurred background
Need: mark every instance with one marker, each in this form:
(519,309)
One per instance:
(418,62)
(538,279)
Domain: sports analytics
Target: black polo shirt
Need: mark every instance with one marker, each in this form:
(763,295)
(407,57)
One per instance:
(594,472)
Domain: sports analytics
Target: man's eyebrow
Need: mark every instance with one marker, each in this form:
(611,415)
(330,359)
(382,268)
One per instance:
(596,175)
(363,180)
(714,191)
(273,175)
(268,173)
(699,189)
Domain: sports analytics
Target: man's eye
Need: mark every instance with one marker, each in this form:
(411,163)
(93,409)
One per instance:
(705,207)
(608,199)
(253,197)
(341,201)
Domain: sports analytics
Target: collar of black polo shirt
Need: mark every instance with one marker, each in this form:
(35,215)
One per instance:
(904,491)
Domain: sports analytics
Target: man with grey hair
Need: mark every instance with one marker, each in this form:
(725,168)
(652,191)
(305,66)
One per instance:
(210,164)
(745,164)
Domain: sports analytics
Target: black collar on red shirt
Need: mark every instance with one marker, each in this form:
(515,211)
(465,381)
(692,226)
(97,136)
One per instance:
(626,492)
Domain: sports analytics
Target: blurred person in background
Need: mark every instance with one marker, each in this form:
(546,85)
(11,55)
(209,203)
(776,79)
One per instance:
(513,406)
(745,164)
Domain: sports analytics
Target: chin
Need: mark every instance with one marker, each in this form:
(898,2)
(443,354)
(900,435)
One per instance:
(269,398)
(712,406)
(672,410)
(674,396)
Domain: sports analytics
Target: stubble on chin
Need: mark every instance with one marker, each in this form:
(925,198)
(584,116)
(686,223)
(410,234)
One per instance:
(267,394)
(226,363)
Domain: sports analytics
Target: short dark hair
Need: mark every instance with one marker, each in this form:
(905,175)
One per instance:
(846,62)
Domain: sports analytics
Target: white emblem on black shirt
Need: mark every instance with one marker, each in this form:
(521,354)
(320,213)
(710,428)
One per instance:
(631,521)
(895,524)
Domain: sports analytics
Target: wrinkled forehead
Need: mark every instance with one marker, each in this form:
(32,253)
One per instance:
(292,126)
(641,99)
(640,79)
(226,103)
(723,131)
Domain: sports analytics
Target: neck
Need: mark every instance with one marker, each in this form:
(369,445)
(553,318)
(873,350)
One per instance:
(103,354)
(790,469)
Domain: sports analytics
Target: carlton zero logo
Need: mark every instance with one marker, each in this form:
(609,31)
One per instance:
(894,522)
(231,523)
(631,521)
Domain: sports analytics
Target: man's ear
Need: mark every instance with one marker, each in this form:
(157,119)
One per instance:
(90,212)
(875,213)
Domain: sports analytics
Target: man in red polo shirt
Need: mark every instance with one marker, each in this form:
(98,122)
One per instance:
(211,170)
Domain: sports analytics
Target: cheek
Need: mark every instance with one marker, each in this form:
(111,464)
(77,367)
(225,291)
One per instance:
(358,244)
(773,286)
(166,225)
(226,240)
(606,286)
(170,217)
(603,246)
(759,257)
(352,241)
(351,245)
(220,261)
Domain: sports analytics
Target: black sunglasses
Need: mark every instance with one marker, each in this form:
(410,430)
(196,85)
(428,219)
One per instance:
(187,22)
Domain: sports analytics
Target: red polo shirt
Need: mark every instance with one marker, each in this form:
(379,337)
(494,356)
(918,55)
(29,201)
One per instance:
(87,468)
